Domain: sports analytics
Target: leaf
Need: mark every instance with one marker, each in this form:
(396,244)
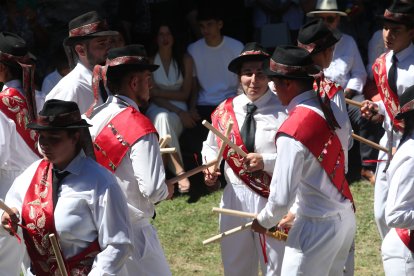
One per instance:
(41,221)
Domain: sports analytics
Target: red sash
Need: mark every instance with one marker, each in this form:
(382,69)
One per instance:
(312,130)
(328,87)
(115,139)
(406,235)
(14,106)
(38,219)
(259,181)
(390,99)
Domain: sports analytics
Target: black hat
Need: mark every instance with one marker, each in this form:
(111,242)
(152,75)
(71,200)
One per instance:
(291,62)
(326,6)
(132,55)
(88,25)
(57,114)
(252,51)
(406,103)
(315,36)
(13,49)
(400,12)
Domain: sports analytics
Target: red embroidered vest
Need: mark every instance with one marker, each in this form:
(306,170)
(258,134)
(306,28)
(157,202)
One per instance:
(321,141)
(14,106)
(390,98)
(259,181)
(38,219)
(114,140)
(328,87)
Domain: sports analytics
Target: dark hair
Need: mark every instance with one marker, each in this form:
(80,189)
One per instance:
(118,74)
(15,71)
(208,11)
(178,49)
(408,124)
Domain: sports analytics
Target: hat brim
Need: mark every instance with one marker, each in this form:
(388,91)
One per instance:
(235,64)
(71,40)
(382,19)
(310,73)
(312,13)
(35,126)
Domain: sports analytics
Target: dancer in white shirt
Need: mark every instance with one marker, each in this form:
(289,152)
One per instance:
(310,167)
(126,143)
(70,195)
(241,253)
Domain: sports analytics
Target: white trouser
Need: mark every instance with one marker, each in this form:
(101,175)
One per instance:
(380,196)
(11,251)
(148,258)
(396,257)
(319,246)
(242,252)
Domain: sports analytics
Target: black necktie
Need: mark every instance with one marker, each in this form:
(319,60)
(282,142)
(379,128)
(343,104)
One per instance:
(392,82)
(57,177)
(248,129)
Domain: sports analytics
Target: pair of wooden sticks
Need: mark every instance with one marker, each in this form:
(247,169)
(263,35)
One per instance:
(52,238)
(279,235)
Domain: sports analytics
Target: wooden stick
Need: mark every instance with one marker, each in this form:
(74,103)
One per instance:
(191,172)
(6,208)
(168,150)
(352,102)
(369,143)
(227,233)
(59,258)
(236,213)
(223,145)
(224,138)
(165,140)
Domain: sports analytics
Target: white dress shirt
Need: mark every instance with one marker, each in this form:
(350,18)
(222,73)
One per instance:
(50,81)
(399,209)
(298,173)
(141,172)
(77,87)
(269,115)
(90,206)
(15,154)
(347,68)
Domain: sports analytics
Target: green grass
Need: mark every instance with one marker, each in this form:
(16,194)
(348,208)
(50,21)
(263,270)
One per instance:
(182,227)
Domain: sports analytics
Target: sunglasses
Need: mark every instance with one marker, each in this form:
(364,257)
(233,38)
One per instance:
(328,19)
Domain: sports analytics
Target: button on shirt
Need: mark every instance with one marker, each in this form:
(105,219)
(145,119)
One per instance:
(269,116)
(347,68)
(141,172)
(298,173)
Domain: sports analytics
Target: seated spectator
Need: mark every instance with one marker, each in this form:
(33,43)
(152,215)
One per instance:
(172,86)
(211,56)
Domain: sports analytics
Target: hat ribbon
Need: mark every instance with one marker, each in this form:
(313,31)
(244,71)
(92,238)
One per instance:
(60,120)
(89,29)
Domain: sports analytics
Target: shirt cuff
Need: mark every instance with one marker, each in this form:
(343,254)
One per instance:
(270,215)
(269,160)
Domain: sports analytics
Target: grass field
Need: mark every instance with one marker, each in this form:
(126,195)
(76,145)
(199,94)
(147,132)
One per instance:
(182,227)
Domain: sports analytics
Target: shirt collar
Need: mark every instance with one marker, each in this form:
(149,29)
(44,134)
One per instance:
(260,102)
(123,100)
(405,53)
(17,84)
(75,166)
(299,99)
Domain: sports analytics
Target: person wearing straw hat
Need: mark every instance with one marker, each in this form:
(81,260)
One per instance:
(398,245)
(348,70)
(17,143)
(126,143)
(392,81)
(87,45)
(70,195)
(249,178)
(310,167)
